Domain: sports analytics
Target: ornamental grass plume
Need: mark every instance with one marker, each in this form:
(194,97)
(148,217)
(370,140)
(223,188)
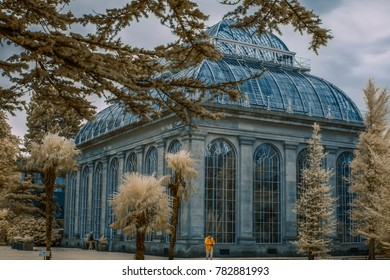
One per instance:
(53,157)
(183,169)
(141,205)
(182,164)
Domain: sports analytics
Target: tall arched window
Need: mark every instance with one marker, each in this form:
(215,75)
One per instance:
(131,163)
(267,195)
(302,163)
(71,203)
(344,223)
(112,186)
(84,201)
(220,191)
(151,167)
(151,163)
(97,200)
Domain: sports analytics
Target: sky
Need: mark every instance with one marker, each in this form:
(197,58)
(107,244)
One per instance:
(359,50)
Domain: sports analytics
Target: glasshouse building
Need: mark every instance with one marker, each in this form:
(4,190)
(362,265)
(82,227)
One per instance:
(249,162)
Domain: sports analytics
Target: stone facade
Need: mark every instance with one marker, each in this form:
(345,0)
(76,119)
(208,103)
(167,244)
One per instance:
(288,134)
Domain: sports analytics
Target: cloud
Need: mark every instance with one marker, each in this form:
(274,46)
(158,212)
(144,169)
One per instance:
(321,6)
(359,49)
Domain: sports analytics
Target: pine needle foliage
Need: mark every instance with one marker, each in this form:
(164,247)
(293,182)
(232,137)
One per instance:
(48,112)
(9,151)
(371,172)
(46,51)
(141,206)
(183,167)
(315,205)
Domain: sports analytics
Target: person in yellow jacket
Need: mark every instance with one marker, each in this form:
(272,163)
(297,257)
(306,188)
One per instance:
(209,242)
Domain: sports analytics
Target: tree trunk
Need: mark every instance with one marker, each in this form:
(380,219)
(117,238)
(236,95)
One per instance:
(175,220)
(371,249)
(49,180)
(140,245)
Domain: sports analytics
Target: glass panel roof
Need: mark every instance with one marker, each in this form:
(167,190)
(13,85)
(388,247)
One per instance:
(282,87)
(244,35)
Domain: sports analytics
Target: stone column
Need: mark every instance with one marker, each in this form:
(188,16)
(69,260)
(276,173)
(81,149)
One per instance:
(121,164)
(245,192)
(160,158)
(290,191)
(195,218)
(76,221)
(121,158)
(184,216)
(89,197)
(139,151)
(103,225)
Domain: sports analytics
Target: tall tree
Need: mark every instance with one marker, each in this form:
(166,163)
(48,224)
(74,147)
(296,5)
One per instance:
(9,151)
(18,197)
(315,205)
(46,51)
(183,169)
(48,113)
(54,156)
(371,170)
(140,206)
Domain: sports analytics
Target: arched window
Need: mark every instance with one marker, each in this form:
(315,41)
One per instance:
(220,191)
(84,201)
(174,147)
(267,195)
(97,200)
(344,223)
(131,163)
(112,186)
(71,203)
(302,163)
(151,167)
(151,163)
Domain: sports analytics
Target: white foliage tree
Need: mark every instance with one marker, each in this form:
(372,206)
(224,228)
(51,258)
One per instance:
(183,169)
(55,156)
(315,205)
(370,180)
(141,206)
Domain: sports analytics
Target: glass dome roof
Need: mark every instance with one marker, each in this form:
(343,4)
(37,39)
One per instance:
(283,87)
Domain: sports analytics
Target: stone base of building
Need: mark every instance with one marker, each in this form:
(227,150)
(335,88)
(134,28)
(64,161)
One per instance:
(196,249)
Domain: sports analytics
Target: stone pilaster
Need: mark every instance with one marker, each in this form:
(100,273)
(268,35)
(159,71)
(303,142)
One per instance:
(245,192)
(195,215)
(290,191)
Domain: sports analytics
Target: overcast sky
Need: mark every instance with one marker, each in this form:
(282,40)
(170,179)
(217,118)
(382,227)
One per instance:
(359,50)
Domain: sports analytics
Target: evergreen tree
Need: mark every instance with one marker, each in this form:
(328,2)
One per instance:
(47,52)
(315,205)
(19,198)
(371,171)
(140,206)
(53,157)
(183,169)
(9,151)
(47,112)
(25,199)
